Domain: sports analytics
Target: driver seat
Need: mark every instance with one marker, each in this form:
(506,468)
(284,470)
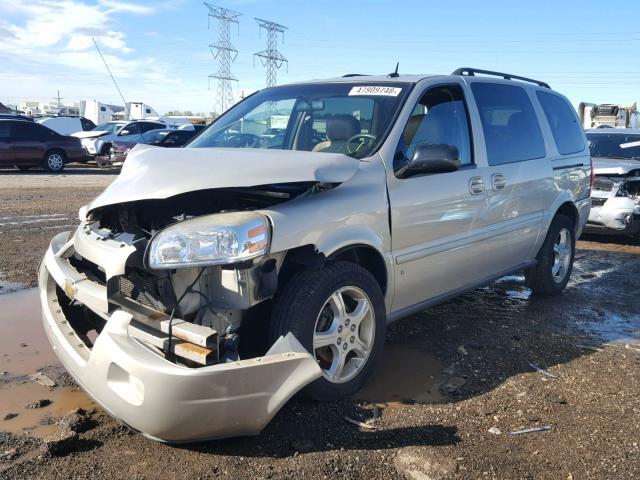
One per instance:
(340,129)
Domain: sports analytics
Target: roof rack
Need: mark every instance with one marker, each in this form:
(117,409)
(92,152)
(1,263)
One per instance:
(354,75)
(507,76)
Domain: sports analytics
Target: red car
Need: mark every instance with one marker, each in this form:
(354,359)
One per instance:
(27,144)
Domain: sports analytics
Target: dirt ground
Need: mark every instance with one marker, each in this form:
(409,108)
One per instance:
(455,381)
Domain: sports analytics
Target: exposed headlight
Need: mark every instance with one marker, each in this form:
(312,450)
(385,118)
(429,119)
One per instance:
(217,239)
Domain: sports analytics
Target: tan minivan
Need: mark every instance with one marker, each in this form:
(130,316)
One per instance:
(208,284)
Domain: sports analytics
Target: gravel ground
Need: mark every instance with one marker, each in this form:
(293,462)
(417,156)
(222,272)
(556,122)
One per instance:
(471,381)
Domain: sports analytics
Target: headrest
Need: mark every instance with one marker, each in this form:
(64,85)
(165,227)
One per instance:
(342,127)
(412,128)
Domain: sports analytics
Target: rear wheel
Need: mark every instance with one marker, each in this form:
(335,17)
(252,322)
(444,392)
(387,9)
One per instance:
(337,313)
(555,259)
(54,161)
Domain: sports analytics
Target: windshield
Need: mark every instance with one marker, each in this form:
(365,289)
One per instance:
(108,127)
(614,145)
(348,118)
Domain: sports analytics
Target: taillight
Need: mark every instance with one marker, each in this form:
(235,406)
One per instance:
(593,174)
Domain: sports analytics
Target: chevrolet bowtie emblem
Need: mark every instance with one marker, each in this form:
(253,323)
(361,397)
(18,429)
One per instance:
(70,289)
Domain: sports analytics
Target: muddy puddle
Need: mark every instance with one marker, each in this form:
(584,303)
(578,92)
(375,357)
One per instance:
(24,350)
(610,327)
(405,374)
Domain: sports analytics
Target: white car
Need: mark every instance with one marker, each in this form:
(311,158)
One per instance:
(98,141)
(66,125)
(615,196)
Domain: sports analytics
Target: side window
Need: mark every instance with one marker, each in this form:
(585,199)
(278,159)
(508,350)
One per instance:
(440,117)
(87,124)
(132,128)
(567,131)
(147,126)
(5,128)
(23,131)
(509,122)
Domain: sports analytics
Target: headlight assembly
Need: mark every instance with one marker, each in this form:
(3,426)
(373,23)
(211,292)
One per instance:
(217,239)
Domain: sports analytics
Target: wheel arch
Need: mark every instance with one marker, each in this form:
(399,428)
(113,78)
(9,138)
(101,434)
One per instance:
(309,256)
(568,209)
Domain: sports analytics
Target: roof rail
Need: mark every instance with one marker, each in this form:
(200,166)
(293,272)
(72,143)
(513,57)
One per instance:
(354,75)
(507,76)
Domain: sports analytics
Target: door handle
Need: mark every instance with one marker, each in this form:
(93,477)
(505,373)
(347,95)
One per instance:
(476,185)
(499,181)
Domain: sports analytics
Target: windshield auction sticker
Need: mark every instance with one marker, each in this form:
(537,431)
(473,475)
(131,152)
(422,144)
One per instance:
(375,90)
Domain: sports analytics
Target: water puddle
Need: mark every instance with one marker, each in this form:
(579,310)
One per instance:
(405,374)
(10,287)
(612,327)
(24,350)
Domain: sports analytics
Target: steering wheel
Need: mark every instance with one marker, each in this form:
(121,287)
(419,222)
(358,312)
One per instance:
(243,140)
(365,138)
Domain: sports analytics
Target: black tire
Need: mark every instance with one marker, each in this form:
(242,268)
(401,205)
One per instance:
(54,161)
(540,278)
(23,168)
(297,309)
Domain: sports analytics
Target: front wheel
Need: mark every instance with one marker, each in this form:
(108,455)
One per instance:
(337,313)
(555,259)
(54,161)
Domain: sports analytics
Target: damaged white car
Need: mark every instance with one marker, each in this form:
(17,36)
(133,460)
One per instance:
(209,284)
(616,192)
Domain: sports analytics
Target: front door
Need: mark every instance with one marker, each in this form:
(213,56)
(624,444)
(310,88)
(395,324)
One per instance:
(437,220)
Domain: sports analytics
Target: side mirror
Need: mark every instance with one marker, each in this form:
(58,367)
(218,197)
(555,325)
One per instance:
(429,159)
(123,133)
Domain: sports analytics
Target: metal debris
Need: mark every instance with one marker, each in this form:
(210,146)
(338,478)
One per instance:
(359,423)
(542,370)
(42,379)
(544,428)
(587,347)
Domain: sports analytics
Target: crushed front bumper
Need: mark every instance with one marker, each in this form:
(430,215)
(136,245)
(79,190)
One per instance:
(614,215)
(163,400)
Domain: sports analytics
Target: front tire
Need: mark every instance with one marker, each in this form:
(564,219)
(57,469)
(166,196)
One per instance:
(54,161)
(338,314)
(555,259)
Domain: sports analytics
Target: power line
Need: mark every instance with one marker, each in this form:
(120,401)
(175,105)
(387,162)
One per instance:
(271,58)
(224,51)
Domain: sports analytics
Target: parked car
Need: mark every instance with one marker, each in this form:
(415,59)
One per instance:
(12,116)
(98,141)
(166,137)
(29,144)
(615,196)
(223,277)
(67,125)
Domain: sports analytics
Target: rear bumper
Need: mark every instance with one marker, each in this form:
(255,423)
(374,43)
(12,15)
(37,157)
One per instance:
(163,400)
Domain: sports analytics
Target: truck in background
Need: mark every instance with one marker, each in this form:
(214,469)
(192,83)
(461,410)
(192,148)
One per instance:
(608,115)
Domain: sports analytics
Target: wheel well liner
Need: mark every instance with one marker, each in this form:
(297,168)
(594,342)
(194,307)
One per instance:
(308,256)
(568,209)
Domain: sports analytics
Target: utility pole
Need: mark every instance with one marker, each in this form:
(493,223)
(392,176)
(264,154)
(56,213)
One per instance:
(271,58)
(59,98)
(223,51)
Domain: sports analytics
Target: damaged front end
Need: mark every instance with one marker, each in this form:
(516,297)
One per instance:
(155,306)
(615,200)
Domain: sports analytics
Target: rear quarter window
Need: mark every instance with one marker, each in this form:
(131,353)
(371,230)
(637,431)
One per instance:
(509,122)
(563,121)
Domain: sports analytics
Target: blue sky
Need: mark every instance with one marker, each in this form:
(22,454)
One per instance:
(159,52)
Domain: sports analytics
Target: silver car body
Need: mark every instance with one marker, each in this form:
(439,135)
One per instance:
(434,236)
